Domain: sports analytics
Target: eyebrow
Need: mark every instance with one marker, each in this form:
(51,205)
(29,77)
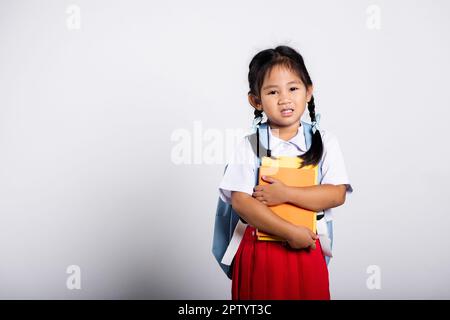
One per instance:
(275,86)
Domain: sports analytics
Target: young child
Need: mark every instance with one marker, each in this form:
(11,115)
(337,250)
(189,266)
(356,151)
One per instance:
(280,87)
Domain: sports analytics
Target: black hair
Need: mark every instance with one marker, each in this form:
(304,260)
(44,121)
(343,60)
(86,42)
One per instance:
(263,62)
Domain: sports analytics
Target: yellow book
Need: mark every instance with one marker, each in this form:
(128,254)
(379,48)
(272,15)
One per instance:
(286,170)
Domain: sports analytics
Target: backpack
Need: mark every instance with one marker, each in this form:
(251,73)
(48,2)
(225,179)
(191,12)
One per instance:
(227,219)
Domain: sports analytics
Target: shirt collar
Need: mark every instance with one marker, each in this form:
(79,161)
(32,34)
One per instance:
(298,140)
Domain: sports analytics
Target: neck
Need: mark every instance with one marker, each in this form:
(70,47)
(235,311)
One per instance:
(284,132)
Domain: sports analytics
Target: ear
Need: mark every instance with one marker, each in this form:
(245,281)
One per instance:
(255,102)
(309,92)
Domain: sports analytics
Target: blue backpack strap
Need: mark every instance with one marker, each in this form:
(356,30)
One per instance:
(307,133)
(308,137)
(259,149)
(225,221)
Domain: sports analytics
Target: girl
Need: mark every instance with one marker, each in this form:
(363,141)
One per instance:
(280,87)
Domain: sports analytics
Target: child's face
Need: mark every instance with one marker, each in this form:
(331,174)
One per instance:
(283,97)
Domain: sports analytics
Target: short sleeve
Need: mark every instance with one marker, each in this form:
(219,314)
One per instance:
(240,171)
(333,165)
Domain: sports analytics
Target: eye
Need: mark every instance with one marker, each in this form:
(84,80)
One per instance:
(295,88)
(270,92)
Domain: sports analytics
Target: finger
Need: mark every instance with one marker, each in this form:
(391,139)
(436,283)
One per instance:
(257,194)
(258,188)
(313,235)
(313,246)
(268,179)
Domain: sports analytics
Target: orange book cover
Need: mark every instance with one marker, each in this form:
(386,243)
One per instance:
(286,170)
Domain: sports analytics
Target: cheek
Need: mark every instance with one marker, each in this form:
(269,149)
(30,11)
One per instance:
(301,100)
(269,103)
(268,98)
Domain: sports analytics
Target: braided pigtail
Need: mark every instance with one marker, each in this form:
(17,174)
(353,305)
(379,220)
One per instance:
(314,153)
(257,120)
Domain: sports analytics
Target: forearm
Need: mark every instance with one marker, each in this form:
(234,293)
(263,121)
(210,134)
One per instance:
(316,198)
(260,216)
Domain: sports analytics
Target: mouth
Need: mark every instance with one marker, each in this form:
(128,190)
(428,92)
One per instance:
(286,112)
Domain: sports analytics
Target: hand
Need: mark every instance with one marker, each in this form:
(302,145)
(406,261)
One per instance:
(271,194)
(302,238)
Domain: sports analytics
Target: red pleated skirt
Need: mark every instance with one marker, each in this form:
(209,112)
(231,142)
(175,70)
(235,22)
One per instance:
(269,270)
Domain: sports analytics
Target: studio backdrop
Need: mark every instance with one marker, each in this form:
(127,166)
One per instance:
(118,117)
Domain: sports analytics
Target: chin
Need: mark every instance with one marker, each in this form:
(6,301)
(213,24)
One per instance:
(287,121)
(291,119)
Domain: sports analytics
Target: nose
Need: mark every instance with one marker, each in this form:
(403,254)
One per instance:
(284,98)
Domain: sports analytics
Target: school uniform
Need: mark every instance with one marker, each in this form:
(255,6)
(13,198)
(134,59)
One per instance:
(268,269)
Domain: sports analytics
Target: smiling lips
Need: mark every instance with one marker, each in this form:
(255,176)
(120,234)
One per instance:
(287,112)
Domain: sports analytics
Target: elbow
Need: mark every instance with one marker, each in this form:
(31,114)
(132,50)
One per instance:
(236,200)
(340,195)
(340,201)
(239,202)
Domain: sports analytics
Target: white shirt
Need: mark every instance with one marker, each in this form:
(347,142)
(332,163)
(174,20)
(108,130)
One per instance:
(241,170)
